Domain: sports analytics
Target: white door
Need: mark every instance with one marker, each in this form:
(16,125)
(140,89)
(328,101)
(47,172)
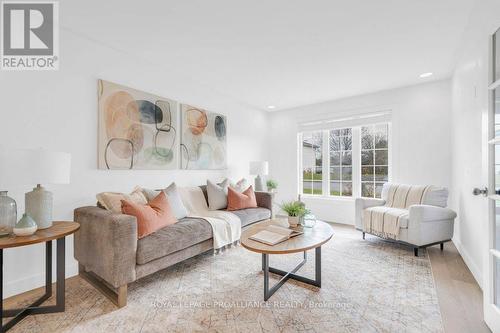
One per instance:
(492,268)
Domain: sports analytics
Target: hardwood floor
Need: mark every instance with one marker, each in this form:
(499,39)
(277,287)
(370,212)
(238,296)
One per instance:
(459,295)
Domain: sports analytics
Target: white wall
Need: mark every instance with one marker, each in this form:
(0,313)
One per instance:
(421,147)
(58,111)
(469,136)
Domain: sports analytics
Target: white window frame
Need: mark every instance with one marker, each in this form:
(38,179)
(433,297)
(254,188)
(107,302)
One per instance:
(356,161)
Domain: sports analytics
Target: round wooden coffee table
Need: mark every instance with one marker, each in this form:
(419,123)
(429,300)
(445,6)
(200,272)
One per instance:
(312,238)
(58,231)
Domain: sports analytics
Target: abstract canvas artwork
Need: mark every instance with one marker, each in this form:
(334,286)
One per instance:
(203,139)
(137,130)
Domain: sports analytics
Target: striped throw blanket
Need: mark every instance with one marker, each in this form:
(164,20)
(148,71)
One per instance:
(385,221)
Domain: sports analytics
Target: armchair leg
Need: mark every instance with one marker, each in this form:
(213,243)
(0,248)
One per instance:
(415,251)
(441,246)
(363,235)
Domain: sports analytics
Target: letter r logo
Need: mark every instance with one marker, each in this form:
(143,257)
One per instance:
(28,28)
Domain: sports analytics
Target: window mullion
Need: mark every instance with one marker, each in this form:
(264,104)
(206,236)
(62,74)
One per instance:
(326,164)
(356,162)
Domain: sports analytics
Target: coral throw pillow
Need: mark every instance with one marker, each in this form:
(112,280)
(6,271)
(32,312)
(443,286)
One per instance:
(237,201)
(151,217)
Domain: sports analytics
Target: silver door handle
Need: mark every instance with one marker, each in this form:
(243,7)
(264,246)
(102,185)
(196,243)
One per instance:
(478,191)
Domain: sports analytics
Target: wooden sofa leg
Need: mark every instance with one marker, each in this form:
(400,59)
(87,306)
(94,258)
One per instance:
(441,246)
(415,251)
(363,235)
(116,295)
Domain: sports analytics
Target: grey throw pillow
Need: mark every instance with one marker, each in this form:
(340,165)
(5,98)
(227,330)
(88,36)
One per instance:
(217,195)
(175,201)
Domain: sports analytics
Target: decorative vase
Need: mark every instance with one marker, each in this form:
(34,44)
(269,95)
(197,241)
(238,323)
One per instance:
(293,221)
(8,214)
(39,206)
(26,226)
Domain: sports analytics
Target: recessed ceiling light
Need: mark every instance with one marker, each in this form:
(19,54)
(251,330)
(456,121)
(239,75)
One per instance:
(270,107)
(425,74)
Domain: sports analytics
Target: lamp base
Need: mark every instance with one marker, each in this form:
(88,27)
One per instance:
(39,206)
(259,183)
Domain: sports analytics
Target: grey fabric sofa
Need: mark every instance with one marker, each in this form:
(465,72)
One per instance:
(110,256)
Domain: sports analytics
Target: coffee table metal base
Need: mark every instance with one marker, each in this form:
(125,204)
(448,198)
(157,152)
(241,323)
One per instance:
(268,292)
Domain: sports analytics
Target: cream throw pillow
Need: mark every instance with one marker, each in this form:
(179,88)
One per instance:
(113,201)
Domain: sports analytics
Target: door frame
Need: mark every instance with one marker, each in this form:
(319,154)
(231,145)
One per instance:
(491,310)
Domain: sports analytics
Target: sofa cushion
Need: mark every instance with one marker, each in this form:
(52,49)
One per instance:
(183,234)
(402,213)
(251,215)
(113,201)
(217,195)
(237,201)
(174,198)
(151,217)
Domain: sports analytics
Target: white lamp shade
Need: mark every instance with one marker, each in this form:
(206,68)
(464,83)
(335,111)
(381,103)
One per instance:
(33,166)
(259,168)
(48,167)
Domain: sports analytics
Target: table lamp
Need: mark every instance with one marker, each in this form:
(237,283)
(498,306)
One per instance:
(14,171)
(260,169)
(47,167)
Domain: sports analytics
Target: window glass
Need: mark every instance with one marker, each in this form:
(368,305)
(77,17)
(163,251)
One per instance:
(374,159)
(312,163)
(371,154)
(340,141)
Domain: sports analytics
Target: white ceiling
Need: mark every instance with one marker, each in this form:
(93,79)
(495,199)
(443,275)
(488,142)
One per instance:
(282,52)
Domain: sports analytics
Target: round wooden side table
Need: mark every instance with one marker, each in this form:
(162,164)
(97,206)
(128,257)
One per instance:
(58,232)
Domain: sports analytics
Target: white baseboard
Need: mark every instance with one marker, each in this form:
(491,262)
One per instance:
(22,285)
(476,272)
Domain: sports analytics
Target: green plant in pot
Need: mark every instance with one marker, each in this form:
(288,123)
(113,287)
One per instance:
(272,185)
(295,211)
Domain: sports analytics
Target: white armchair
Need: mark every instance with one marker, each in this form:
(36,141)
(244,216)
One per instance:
(418,213)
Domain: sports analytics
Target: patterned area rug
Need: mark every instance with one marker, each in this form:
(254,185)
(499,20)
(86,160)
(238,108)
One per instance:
(367,286)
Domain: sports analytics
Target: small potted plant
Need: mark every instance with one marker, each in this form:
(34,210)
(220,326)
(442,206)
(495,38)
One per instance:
(295,211)
(272,185)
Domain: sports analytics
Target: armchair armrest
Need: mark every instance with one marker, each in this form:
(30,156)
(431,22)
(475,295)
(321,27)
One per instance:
(427,213)
(106,244)
(265,200)
(362,203)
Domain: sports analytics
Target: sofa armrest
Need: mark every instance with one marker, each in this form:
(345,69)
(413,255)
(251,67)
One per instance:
(106,244)
(265,200)
(361,204)
(428,213)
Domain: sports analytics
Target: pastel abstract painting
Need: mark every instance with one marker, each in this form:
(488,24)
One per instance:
(137,130)
(203,139)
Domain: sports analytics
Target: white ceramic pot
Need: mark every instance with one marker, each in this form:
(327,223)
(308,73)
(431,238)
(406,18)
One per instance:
(293,221)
